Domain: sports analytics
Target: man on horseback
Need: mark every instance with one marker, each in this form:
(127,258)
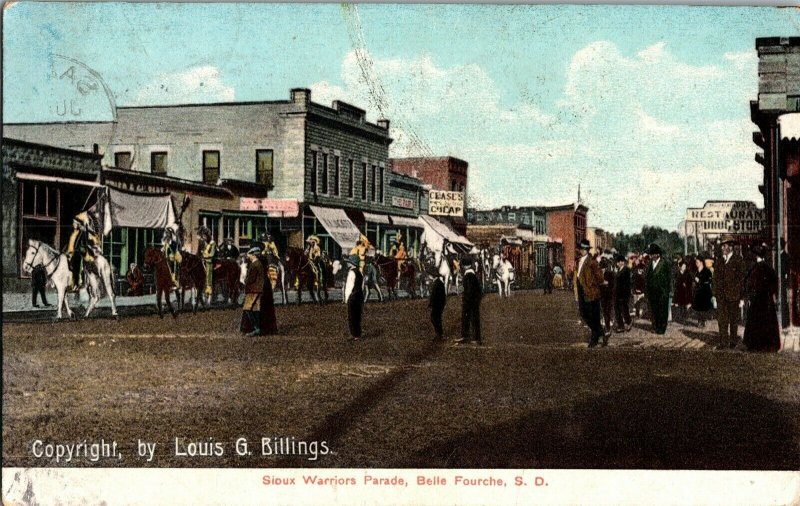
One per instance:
(268,247)
(314,255)
(228,250)
(207,250)
(398,251)
(171,250)
(360,249)
(84,244)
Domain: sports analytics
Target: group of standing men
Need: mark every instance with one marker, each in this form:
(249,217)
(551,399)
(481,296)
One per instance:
(598,288)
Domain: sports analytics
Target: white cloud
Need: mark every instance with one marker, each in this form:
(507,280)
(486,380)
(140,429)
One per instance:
(645,135)
(195,85)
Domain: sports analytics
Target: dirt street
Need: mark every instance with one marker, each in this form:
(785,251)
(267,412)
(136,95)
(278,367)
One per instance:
(533,396)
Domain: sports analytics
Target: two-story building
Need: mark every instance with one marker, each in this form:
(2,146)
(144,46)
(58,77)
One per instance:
(293,168)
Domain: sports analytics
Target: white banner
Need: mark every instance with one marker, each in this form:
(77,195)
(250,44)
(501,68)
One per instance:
(338,225)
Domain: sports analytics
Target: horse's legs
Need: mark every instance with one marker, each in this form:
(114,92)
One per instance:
(195,295)
(159,292)
(93,288)
(110,292)
(62,302)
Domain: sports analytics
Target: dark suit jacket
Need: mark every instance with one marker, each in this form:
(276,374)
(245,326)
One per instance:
(590,278)
(622,284)
(659,280)
(438,297)
(729,278)
(472,290)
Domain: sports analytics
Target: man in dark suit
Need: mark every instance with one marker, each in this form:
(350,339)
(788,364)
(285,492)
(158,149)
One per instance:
(588,280)
(729,276)
(38,284)
(659,281)
(354,296)
(436,304)
(622,295)
(470,305)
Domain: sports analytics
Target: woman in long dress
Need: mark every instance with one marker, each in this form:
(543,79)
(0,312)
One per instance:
(701,303)
(761,331)
(683,294)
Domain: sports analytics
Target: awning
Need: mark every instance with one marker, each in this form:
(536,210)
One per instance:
(52,179)
(790,125)
(514,241)
(338,225)
(136,210)
(403,221)
(437,232)
(376,218)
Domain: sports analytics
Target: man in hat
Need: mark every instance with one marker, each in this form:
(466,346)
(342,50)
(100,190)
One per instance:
(360,250)
(470,305)
(398,251)
(622,295)
(135,281)
(314,253)
(253,290)
(728,286)
(588,280)
(207,250)
(269,249)
(639,284)
(171,250)
(437,302)
(228,249)
(659,276)
(354,296)
(83,244)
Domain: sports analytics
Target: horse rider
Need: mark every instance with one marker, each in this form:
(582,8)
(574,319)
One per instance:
(84,244)
(360,249)
(208,252)
(268,247)
(171,250)
(228,250)
(314,255)
(398,251)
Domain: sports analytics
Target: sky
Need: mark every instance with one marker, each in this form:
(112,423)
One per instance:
(645,107)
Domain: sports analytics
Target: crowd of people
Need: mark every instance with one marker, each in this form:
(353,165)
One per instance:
(611,289)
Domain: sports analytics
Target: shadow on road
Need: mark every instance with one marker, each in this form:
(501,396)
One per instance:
(709,339)
(336,424)
(667,424)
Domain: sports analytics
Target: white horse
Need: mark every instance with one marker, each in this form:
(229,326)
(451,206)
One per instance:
(504,275)
(57,268)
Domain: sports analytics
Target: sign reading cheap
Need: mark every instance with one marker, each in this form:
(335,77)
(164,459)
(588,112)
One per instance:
(445,203)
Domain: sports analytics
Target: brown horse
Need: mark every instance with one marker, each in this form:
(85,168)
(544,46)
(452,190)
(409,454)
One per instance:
(193,277)
(300,270)
(388,268)
(226,280)
(155,260)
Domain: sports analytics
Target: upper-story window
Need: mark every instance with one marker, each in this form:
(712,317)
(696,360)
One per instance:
(364,182)
(336,175)
(210,167)
(314,169)
(324,175)
(373,179)
(158,162)
(122,160)
(350,176)
(380,186)
(264,167)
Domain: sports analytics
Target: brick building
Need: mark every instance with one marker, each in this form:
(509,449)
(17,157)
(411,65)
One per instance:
(567,223)
(440,173)
(777,115)
(599,238)
(325,169)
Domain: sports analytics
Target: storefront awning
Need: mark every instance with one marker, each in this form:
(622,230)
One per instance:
(437,232)
(403,221)
(338,225)
(376,218)
(790,125)
(52,179)
(137,210)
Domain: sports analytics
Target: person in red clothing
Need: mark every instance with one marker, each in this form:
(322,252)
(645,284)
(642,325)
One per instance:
(682,300)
